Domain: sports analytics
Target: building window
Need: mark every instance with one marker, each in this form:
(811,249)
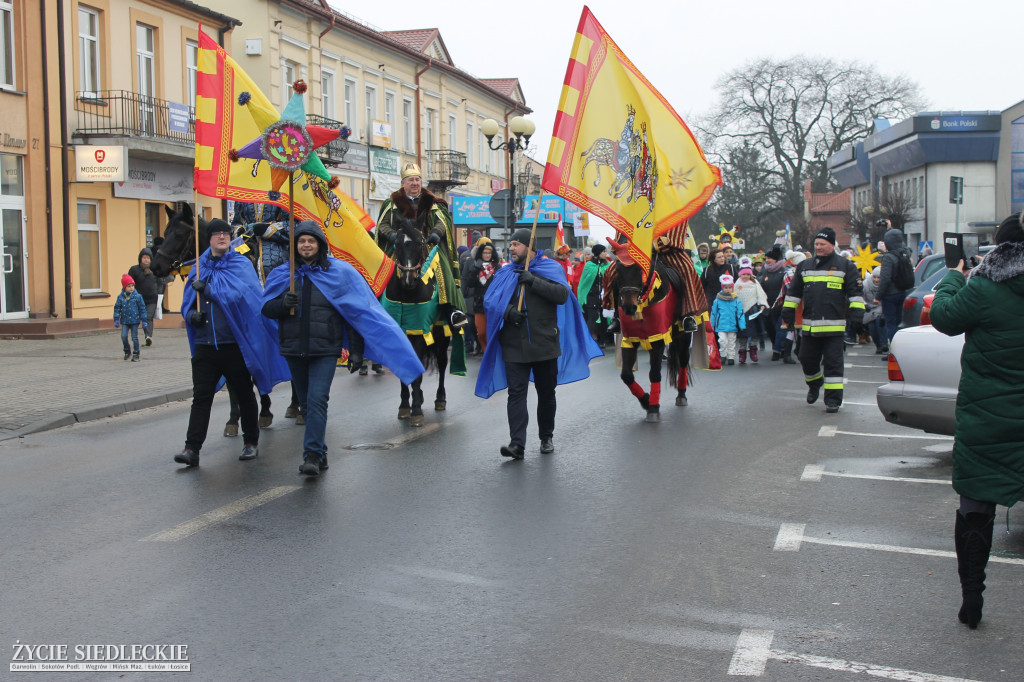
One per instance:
(350,104)
(289,74)
(484,155)
(7,43)
(429,124)
(11,175)
(191,69)
(145,52)
(371,109)
(470,133)
(453,136)
(389,109)
(327,93)
(89,274)
(407,139)
(89,49)
(497,164)
(920,197)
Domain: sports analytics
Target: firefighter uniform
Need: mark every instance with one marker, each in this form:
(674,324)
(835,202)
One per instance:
(831,290)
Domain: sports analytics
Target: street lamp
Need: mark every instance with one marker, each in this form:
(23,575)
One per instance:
(522,129)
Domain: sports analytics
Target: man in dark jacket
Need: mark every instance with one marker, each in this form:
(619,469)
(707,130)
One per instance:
(888,294)
(312,335)
(148,286)
(529,343)
(831,290)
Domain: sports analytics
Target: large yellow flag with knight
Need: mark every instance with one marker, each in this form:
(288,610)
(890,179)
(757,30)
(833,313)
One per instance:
(619,150)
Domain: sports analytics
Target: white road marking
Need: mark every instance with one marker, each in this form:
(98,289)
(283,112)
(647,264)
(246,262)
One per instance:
(753,648)
(183,530)
(878,366)
(830,431)
(416,433)
(814,472)
(791,536)
(851,402)
(858,381)
(868,668)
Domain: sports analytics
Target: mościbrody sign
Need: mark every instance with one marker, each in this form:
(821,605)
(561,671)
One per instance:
(97,163)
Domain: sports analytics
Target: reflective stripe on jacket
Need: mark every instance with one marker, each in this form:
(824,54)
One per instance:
(831,291)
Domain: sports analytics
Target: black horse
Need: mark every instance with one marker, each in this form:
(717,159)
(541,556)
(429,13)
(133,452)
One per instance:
(650,316)
(175,257)
(414,306)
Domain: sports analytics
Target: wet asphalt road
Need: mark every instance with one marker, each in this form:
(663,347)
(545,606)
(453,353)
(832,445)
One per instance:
(635,552)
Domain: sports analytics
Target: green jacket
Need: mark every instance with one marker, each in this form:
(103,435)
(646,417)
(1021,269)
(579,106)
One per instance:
(988,308)
(593,271)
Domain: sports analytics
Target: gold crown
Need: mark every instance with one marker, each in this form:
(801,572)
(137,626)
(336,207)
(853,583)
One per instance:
(410,170)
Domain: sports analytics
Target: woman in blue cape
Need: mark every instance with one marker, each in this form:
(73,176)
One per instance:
(547,340)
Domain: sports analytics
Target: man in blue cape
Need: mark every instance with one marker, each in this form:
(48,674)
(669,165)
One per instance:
(332,308)
(228,340)
(545,339)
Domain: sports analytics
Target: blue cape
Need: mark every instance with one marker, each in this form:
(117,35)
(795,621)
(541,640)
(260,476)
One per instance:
(578,347)
(352,297)
(232,283)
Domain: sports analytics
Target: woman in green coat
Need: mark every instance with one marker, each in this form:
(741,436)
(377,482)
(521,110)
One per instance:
(988,452)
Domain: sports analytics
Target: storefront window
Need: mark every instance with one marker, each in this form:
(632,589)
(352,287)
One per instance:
(89,246)
(11,177)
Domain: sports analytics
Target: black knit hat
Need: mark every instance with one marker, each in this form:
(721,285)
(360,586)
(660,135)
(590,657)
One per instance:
(1011,229)
(522,235)
(775,253)
(217,225)
(828,234)
(597,249)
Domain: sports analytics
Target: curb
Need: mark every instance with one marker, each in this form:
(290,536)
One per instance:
(97,412)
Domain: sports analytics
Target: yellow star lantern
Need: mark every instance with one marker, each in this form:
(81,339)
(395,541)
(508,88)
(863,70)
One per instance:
(866,259)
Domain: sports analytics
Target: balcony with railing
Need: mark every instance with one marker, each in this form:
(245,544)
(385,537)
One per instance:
(332,153)
(445,168)
(146,121)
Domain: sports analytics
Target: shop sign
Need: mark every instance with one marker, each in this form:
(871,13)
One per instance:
(100,163)
(155,181)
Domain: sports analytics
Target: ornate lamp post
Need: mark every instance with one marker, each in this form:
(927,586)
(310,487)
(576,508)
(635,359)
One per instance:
(522,129)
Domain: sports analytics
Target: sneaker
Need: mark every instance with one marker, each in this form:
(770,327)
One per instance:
(513,450)
(135,357)
(300,420)
(364,370)
(849,342)
(127,353)
(546,446)
(149,340)
(188,457)
(378,368)
(249,452)
(310,466)
(323,462)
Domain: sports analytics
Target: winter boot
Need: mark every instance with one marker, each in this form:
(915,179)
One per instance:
(127,353)
(973,538)
(787,353)
(753,354)
(135,356)
(743,356)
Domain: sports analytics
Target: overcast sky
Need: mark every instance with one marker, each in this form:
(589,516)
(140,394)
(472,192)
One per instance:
(964,55)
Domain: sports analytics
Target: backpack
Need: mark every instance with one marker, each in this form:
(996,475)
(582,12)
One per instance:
(902,273)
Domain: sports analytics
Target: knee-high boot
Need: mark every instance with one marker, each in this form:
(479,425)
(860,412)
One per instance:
(973,538)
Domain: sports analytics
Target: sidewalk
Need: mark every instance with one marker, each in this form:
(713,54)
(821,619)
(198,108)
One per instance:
(48,384)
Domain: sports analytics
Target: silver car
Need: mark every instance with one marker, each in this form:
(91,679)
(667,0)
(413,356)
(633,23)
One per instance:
(924,371)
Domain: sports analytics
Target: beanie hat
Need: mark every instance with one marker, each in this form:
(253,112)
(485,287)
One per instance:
(746,271)
(775,253)
(725,280)
(597,249)
(126,280)
(877,271)
(462,249)
(522,235)
(795,257)
(1011,229)
(217,225)
(828,234)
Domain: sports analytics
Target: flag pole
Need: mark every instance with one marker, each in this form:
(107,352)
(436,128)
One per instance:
(195,200)
(291,235)
(533,237)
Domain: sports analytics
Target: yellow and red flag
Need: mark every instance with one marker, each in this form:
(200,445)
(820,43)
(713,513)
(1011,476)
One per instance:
(559,234)
(618,148)
(223,124)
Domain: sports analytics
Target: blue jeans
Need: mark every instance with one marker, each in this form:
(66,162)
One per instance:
(892,311)
(311,379)
(780,335)
(134,328)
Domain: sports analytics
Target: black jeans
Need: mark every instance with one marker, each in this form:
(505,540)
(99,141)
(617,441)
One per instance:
(545,376)
(209,364)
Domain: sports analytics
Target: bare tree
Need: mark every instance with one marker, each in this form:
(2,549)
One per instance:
(895,205)
(799,112)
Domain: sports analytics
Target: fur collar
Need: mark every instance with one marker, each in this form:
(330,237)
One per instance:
(405,207)
(1004,262)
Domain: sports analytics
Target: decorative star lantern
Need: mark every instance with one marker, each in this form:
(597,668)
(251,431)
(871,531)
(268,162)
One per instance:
(287,143)
(866,259)
(725,234)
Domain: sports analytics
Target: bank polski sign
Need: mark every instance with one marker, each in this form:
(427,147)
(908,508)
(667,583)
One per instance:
(100,163)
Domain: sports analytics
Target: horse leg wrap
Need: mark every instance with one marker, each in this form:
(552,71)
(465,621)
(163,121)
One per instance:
(637,390)
(655,393)
(681,381)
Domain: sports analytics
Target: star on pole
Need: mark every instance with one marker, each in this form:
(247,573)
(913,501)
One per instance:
(865,258)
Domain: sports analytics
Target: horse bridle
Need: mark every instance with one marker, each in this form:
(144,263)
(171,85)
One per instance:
(414,268)
(176,262)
